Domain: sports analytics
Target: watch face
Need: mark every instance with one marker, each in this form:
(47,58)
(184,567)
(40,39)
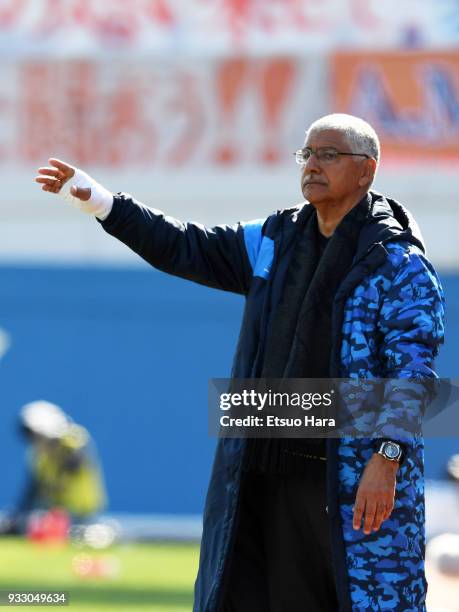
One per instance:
(391,450)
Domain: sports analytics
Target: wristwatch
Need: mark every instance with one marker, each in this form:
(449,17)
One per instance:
(391,450)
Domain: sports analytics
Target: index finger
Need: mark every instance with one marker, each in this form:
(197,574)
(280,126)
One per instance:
(62,166)
(359,508)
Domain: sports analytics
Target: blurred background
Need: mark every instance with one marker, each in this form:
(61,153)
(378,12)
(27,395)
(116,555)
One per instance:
(195,107)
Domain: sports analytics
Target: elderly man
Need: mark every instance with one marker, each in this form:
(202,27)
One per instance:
(338,286)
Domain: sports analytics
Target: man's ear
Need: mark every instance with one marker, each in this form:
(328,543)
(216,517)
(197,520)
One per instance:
(368,172)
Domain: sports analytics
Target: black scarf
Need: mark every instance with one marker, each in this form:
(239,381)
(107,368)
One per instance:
(299,339)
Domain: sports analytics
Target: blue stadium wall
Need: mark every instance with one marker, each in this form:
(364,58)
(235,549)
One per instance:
(128,354)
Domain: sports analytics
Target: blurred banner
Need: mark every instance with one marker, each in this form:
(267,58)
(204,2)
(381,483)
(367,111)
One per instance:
(176,114)
(183,114)
(411,99)
(68,26)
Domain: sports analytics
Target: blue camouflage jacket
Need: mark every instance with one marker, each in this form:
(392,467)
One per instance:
(387,321)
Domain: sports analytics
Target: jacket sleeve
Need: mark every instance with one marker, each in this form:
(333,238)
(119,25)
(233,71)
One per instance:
(218,257)
(411,325)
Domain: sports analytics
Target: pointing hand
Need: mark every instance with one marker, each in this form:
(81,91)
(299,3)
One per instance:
(76,187)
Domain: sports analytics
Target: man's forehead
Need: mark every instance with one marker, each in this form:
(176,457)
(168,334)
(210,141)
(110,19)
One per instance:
(325,138)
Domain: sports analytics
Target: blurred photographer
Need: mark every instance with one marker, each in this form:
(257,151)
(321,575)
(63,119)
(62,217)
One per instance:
(64,471)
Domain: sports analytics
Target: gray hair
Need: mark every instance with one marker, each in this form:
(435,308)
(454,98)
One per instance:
(359,134)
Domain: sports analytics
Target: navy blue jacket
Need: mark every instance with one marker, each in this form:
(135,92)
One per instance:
(381,327)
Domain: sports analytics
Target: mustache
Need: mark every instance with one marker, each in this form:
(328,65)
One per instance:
(311,179)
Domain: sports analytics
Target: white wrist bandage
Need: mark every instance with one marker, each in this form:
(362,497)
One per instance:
(99,204)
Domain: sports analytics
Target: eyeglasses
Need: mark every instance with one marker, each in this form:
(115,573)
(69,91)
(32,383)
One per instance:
(325,155)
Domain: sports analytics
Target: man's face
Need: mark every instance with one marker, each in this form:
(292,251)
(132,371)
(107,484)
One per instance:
(338,181)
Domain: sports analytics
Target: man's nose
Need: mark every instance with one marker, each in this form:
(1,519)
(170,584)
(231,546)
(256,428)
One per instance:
(312,165)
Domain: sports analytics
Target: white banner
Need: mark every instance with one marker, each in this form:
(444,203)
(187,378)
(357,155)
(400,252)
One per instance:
(220,113)
(172,26)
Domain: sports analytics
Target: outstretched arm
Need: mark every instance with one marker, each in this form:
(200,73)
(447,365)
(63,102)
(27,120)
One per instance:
(216,257)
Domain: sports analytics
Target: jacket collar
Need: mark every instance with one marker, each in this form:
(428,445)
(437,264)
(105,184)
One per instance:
(387,221)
